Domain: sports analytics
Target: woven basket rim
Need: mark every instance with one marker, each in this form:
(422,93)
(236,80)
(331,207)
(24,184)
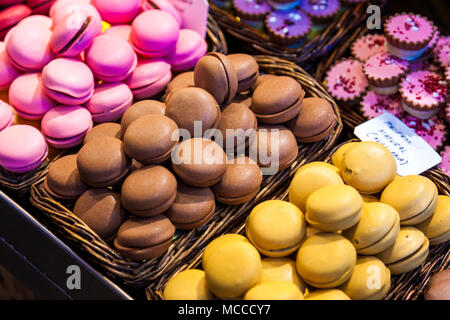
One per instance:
(407,286)
(186,245)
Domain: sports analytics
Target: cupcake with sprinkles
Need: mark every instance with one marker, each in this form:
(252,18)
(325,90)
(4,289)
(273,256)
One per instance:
(374,104)
(288,27)
(423,92)
(384,71)
(367,46)
(346,81)
(408,35)
(431,130)
(430,46)
(441,41)
(252,12)
(445,164)
(320,11)
(443,55)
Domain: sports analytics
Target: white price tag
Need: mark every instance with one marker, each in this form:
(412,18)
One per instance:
(412,153)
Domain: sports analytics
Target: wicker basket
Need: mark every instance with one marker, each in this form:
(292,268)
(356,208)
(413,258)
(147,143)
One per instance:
(187,244)
(409,286)
(318,46)
(20,184)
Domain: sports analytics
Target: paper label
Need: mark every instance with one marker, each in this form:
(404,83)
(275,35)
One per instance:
(194,14)
(412,153)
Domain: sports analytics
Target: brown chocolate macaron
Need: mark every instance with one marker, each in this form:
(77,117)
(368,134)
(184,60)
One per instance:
(63,180)
(183,80)
(102,162)
(277,100)
(240,183)
(140,109)
(199,162)
(315,121)
(107,129)
(261,79)
(193,207)
(100,209)
(439,286)
(274,146)
(149,191)
(215,73)
(247,70)
(151,138)
(187,105)
(144,238)
(237,125)
(244,99)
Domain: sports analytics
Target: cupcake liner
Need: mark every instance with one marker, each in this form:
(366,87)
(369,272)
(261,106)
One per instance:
(401,44)
(384,82)
(287,40)
(319,17)
(249,16)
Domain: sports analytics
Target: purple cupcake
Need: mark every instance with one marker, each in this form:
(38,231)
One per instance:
(252,12)
(288,27)
(320,11)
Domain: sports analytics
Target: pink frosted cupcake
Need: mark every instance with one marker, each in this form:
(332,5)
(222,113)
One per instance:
(320,11)
(408,35)
(443,55)
(373,104)
(441,41)
(445,164)
(423,92)
(346,81)
(252,12)
(384,71)
(288,27)
(431,130)
(365,47)
(431,45)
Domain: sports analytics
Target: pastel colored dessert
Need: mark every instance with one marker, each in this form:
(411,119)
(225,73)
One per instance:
(282,5)
(7,71)
(154,33)
(40,6)
(320,11)
(327,294)
(367,46)
(22,148)
(443,40)
(117,11)
(74,34)
(109,101)
(27,96)
(274,290)
(252,12)
(346,81)
(443,55)
(445,164)
(149,78)
(423,92)
(120,30)
(10,16)
(432,130)
(431,45)
(65,126)
(107,129)
(60,4)
(384,71)
(408,35)
(61,9)
(189,49)
(281,269)
(374,104)
(6,115)
(28,35)
(111,58)
(188,285)
(437,227)
(163,5)
(68,81)
(287,27)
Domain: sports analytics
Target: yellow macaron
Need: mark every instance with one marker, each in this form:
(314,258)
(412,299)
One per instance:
(414,197)
(281,269)
(333,208)
(326,260)
(274,290)
(338,155)
(188,285)
(437,227)
(327,294)
(276,228)
(376,230)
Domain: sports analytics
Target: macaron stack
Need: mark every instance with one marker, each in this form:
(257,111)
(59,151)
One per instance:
(348,226)
(75,74)
(402,71)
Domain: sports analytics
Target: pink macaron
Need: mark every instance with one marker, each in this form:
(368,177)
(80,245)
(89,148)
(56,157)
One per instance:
(26,94)
(74,34)
(150,77)
(6,115)
(120,30)
(59,4)
(109,102)
(155,33)
(40,6)
(189,49)
(111,58)
(117,11)
(22,148)
(71,7)
(163,5)
(28,45)
(38,20)
(7,71)
(68,81)
(66,126)
(9,17)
